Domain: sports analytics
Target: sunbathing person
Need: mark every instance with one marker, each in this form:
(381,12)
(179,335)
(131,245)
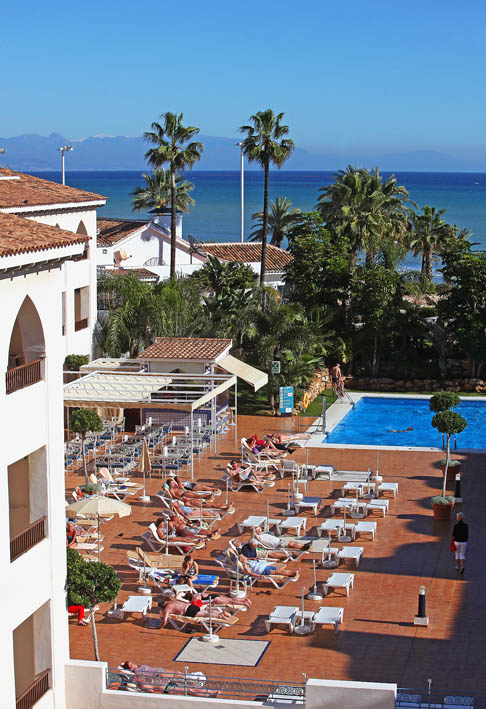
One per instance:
(179,493)
(158,679)
(220,600)
(192,609)
(194,513)
(259,568)
(71,536)
(288,437)
(189,571)
(257,446)
(177,525)
(240,474)
(273,542)
(196,487)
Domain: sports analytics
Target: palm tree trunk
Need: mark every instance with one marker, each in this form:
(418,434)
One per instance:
(265,225)
(352,262)
(370,258)
(427,265)
(173,223)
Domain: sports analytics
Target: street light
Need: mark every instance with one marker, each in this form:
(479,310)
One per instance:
(242,200)
(63,150)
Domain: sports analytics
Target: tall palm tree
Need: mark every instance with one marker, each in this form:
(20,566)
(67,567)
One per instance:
(364,209)
(280,220)
(429,234)
(172,146)
(156,192)
(265,143)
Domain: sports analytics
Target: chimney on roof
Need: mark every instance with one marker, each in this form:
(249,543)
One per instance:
(161,217)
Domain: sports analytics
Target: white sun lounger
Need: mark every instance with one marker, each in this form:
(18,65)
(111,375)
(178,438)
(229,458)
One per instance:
(354,553)
(366,528)
(312,503)
(281,615)
(331,526)
(352,487)
(327,615)
(338,580)
(255,521)
(136,604)
(380,505)
(296,523)
(388,487)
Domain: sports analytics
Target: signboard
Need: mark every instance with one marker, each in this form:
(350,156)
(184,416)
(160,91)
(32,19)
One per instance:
(276,366)
(286,403)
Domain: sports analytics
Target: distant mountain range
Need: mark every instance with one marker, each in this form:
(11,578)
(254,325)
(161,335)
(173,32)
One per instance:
(32,152)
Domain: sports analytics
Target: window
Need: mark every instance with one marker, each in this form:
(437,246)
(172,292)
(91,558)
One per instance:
(63,306)
(26,350)
(81,308)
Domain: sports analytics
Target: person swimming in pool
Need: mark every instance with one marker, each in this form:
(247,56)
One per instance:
(400,430)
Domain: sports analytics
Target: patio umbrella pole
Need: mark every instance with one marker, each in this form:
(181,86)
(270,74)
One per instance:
(344,539)
(314,595)
(210,637)
(289,511)
(302,628)
(268,515)
(98,519)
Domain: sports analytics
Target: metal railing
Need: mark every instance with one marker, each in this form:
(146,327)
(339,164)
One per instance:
(33,693)
(425,699)
(198,685)
(23,376)
(81,324)
(27,539)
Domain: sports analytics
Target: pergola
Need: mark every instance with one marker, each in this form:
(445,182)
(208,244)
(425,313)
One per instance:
(143,390)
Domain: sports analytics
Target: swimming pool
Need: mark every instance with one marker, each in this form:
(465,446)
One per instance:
(373,419)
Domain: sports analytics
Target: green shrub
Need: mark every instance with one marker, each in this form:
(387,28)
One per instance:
(73,362)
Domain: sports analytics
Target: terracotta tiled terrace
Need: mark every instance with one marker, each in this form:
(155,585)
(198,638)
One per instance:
(378,641)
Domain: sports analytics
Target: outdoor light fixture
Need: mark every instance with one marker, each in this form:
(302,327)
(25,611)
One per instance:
(64,149)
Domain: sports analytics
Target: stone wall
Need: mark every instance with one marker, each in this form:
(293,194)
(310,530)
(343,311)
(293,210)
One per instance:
(415,385)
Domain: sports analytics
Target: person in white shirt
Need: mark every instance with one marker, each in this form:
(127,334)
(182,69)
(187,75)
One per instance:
(272,542)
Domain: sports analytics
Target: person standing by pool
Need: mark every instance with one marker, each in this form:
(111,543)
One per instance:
(337,380)
(460,535)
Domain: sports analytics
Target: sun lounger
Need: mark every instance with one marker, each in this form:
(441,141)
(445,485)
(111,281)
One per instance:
(290,466)
(378,505)
(328,616)
(157,544)
(295,523)
(281,615)
(256,521)
(236,486)
(387,488)
(136,604)
(338,580)
(312,503)
(354,553)
(262,455)
(366,528)
(181,622)
(353,488)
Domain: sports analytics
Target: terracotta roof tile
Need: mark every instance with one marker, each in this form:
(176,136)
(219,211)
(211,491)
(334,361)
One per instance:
(19,235)
(186,348)
(30,191)
(141,273)
(247,252)
(111,231)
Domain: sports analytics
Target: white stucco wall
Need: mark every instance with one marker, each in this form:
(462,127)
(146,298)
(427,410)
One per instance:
(30,419)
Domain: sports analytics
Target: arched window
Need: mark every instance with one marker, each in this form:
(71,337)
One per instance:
(82,229)
(27,339)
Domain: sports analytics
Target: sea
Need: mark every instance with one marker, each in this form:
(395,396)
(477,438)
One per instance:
(216,213)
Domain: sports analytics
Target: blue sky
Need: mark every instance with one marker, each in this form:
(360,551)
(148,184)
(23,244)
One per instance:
(361,74)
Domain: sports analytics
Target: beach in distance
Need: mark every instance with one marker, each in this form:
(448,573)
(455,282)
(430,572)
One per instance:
(216,213)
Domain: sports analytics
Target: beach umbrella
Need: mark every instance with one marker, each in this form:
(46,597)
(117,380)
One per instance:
(144,466)
(98,506)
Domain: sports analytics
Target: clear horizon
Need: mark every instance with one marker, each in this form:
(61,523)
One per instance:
(357,78)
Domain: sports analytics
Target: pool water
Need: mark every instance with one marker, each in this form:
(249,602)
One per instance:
(373,420)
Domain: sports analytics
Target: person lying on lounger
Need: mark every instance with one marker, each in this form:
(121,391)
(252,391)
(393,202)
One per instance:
(178,526)
(240,474)
(157,679)
(196,487)
(273,542)
(258,446)
(197,608)
(259,568)
(179,493)
(190,514)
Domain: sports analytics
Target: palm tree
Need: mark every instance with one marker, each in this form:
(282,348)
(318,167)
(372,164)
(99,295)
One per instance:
(265,143)
(429,234)
(364,209)
(156,192)
(171,139)
(280,220)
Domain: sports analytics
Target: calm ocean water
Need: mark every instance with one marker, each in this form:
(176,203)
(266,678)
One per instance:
(216,214)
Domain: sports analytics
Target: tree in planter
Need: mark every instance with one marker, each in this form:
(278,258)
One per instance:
(89,583)
(73,362)
(451,423)
(81,421)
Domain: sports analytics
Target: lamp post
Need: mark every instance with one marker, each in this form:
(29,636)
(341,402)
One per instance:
(63,150)
(242,196)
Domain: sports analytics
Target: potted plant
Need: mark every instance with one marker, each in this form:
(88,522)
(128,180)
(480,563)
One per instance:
(453,468)
(442,506)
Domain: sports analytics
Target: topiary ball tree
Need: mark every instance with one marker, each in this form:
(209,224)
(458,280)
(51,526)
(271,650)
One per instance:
(89,583)
(450,423)
(81,421)
(73,362)
(443,401)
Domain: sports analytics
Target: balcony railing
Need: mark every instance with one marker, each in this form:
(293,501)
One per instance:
(33,693)
(28,538)
(23,376)
(81,324)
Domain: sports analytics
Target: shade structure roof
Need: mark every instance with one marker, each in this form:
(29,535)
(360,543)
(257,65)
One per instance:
(244,371)
(187,392)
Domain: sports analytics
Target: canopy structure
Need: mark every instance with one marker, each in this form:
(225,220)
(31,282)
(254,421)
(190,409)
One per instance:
(244,371)
(139,390)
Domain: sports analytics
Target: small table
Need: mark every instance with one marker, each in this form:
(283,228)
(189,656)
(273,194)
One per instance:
(136,604)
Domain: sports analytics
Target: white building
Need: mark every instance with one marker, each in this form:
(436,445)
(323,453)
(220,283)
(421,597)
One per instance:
(36,263)
(72,210)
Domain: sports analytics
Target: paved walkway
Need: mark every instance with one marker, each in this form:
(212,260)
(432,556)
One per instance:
(377,641)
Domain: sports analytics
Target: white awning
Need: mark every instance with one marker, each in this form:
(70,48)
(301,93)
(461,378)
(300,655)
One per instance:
(244,371)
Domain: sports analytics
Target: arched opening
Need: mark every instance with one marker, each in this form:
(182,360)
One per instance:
(27,348)
(82,229)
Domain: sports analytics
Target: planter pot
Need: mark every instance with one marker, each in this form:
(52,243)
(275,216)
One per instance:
(442,512)
(452,470)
